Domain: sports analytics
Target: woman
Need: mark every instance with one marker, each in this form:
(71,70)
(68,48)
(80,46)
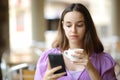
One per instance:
(76,30)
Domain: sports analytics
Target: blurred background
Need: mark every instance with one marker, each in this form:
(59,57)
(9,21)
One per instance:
(28,27)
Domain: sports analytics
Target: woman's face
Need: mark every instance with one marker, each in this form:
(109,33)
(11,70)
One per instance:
(74,26)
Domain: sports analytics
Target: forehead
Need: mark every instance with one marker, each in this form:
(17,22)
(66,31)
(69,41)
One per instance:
(74,16)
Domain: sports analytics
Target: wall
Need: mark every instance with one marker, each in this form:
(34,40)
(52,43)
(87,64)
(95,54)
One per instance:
(38,21)
(117,6)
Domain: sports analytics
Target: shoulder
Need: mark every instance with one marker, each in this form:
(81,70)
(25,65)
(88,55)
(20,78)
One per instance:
(43,61)
(103,58)
(107,59)
(103,61)
(106,62)
(49,51)
(44,56)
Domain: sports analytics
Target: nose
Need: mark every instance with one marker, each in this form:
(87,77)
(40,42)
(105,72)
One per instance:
(73,28)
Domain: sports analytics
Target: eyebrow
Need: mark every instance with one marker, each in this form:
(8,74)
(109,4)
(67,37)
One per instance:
(70,22)
(81,21)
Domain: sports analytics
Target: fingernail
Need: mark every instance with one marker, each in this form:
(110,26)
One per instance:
(60,66)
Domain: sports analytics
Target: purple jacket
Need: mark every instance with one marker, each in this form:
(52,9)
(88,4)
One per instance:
(103,62)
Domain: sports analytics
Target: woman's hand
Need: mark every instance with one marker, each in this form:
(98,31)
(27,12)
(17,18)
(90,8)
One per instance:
(83,59)
(49,74)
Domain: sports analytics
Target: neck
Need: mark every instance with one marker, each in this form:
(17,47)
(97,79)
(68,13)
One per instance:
(74,45)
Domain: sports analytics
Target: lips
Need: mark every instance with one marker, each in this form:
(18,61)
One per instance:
(74,36)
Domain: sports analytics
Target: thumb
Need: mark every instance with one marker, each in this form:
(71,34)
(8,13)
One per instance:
(48,66)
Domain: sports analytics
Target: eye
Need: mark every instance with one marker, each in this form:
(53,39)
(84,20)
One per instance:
(68,25)
(80,25)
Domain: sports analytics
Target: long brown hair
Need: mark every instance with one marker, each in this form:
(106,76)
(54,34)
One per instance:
(91,40)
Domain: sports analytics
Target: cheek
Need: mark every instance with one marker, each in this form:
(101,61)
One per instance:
(82,33)
(66,32)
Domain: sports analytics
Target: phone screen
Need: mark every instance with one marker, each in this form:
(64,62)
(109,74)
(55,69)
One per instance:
(57,60)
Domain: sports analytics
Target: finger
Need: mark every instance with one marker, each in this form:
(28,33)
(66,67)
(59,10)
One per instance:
(81,62)
(50,72)
(61,74)
(48,66)
(79,56)
(76,55)
(84,55)
(55,76)
(55,69)
(78,52)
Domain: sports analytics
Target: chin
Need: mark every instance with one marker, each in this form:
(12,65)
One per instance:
(75,41)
